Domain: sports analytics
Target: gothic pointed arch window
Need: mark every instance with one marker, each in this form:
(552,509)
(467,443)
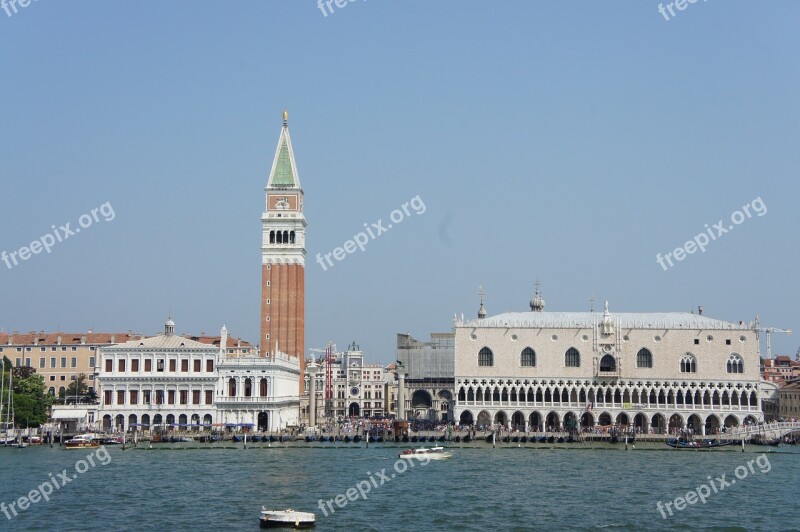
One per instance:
(485,357)
(644,358)
(572,358)
(688,363)
(735,364)
(528,358)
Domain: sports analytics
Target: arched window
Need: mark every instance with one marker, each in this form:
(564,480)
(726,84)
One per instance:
(644,359)
(232,387)
(286,237)
(291,237)
(263,388)
(607,363)
(280,238)
(688,363)
(528,358)
(272,237)
(572,358)
(735,364)
(248,387)
(485,357)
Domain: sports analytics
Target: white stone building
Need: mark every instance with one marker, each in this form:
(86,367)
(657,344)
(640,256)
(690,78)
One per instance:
(259,391)
(652,371)
(157,381)
(172,381)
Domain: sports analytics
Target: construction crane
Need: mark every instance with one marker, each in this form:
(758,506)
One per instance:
(329,350)
(768,333)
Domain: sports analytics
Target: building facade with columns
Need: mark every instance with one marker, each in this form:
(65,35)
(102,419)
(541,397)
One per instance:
(259,391)
(160,381)
(358,389)
(173,381)
(564,370)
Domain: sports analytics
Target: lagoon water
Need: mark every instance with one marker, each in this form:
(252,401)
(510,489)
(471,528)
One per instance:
(478,489)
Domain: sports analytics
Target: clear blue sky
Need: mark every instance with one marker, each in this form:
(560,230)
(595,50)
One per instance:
(568,142)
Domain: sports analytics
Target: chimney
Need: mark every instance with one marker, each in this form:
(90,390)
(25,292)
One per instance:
(700,310)
(58,340)
(113,338)
(83,340)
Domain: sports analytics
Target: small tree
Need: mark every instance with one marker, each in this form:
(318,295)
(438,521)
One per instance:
(78,388)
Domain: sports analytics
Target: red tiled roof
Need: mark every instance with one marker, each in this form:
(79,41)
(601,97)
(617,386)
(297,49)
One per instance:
(48,339)
(43,338)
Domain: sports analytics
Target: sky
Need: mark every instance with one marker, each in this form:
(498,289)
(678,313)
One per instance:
(564,142)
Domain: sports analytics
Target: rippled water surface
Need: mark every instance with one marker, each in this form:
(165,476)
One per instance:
(478,489)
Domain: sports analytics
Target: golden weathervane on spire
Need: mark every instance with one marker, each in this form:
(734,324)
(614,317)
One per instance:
(285,116)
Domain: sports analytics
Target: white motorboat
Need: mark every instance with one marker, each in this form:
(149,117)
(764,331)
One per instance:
(82,441)
(286,518)
(423,453)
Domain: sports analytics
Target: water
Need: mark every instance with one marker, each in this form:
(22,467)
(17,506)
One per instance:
(478,489)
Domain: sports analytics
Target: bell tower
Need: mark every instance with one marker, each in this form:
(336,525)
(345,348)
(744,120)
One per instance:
(283,255)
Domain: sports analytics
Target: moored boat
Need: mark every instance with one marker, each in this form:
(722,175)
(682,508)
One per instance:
(82,441)
(423,453)
(694,444)
(286,518)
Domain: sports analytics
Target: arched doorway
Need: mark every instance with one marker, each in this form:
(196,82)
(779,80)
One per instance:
(675,423)
(107,422)
(484,420)
(421,399)
(158,420)
(207,421)
(132,424)
(622,420)
(501,418)
(170,419)
(640,422)
(712,424)
(694,423)
(605,419)
(354,410)
(731,421)
(750,420)
(466,418)
(658,423)
(119,423)
(196,421)
(553,422)
(146,421)
(518,420)
(263,421)
(570,422)
(535,420)
(587,420)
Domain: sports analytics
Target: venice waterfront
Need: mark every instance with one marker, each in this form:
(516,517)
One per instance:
(478,489)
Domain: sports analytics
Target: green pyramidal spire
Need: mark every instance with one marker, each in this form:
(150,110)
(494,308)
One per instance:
(284,170)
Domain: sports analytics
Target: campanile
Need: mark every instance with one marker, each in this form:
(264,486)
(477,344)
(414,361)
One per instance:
(283,254)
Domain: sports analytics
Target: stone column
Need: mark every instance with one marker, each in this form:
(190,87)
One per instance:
(312,394)
(401,400)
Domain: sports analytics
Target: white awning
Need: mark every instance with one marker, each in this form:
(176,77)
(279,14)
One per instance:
(69,414)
